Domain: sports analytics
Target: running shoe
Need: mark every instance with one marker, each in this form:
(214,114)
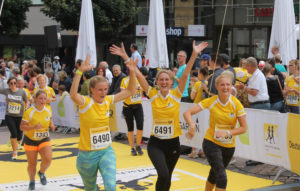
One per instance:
(20,147)
(15,156)
(42,178)
(31,185)
(133,152)
(139,150)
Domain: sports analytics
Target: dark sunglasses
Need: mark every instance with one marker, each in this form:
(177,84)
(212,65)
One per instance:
(12,83)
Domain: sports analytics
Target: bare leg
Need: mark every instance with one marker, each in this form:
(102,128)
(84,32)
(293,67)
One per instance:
(131,139)
(139,136)
(209,186)
(32,161)
(46,154)
(14,144)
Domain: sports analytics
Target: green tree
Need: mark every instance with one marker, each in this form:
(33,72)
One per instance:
(13,17)
(110,16)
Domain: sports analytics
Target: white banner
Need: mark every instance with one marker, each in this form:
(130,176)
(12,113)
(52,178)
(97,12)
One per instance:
(196,30)
(2,106)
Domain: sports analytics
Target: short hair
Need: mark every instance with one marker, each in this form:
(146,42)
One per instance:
(116,66)
(217,59)
(10,64)
(277,58)
(39,92)
(267,68)
(20,78)
(252,62)
(226,74)
(11,78)
(49,71)
(16,70)
(134,46)
(183,52)
(104,64)
(242,63)
(144,71)
(37,70)
(275,47)
(41,76)
(62,74)
(62,87)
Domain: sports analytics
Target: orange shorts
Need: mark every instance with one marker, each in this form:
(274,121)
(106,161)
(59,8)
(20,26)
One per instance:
(30,145)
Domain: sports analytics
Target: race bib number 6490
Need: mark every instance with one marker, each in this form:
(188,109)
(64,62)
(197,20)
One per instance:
(100,138)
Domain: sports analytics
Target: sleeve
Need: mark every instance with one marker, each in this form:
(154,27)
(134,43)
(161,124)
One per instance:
(26,115)
(240,111)
(123,85)
(24,95)
(151,92)
(206,103)
(86,101)
(110,99)
(177,93)
(196,86)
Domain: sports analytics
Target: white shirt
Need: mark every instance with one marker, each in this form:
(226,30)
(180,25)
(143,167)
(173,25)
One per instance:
(108,75)
(258,82)
(137,55)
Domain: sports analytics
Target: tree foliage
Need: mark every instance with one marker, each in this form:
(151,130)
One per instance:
(13,17)
(110,16)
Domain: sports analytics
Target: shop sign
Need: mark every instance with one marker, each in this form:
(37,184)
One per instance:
(263,12)
(175,31)
(141,30)
(196,30)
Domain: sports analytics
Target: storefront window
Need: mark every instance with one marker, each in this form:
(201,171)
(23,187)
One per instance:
(259,42)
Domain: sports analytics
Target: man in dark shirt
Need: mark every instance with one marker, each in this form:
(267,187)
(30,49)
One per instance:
(215,65)
(116,81)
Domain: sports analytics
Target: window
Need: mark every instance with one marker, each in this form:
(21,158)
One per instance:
(37,2)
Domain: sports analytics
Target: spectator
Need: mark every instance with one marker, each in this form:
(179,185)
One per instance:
(257,89)
(215,65)
(181,58)
(53,79)
(10,67)
(279,66)
(116,81)
(136,54)
(275,50)
(3,81)
(274,89)
(65,80)
(56,65)
(108,73)
(85,86)
(16,72)
(292,64)
(144,71)
(261,65)
(6,70)
(226,65)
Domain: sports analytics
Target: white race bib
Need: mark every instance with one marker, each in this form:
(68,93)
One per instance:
(136,97)
(292,99)
(100,138)
(163,129)
(14,108)
(225,128)
(39,135)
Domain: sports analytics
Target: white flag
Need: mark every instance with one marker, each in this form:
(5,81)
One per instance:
(156,50)
(86,37)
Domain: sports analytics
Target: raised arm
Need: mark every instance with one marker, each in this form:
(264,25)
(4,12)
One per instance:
(196,50)
(75,96)
(120,51)
(131,89)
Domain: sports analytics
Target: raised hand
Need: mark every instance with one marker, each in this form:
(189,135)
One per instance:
(120,51)
(85,65)
(198,48)
(131,65)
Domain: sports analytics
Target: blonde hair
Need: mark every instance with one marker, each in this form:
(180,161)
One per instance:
(164,71)
(94,81)
(226,74)
(41,76)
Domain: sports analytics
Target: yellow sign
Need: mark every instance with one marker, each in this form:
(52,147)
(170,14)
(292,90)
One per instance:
(293,141)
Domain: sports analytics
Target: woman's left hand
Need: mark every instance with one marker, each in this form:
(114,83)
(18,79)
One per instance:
(198,48)
(190,134)
(52,127)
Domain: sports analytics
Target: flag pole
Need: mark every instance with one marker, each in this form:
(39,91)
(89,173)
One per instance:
(1,7)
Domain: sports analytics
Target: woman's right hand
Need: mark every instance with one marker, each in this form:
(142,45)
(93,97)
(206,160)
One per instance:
(190,134)
(85,65)
(37,126)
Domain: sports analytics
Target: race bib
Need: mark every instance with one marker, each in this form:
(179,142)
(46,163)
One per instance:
(292,99)
(225,140)
(136,97)
(163,129)
(100,138)
(14,108)
(41,135)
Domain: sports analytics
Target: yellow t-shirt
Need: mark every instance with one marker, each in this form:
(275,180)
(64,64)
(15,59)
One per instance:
(94,124)
(28,94)
(137,97)
(49,91)
(165,111)
(292,99)
(241,74)
(198,88)
(33,116)
(222,117)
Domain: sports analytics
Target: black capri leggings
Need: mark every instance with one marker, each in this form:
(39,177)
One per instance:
(13,124)
(134,111)
(218,158)
(164,154)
